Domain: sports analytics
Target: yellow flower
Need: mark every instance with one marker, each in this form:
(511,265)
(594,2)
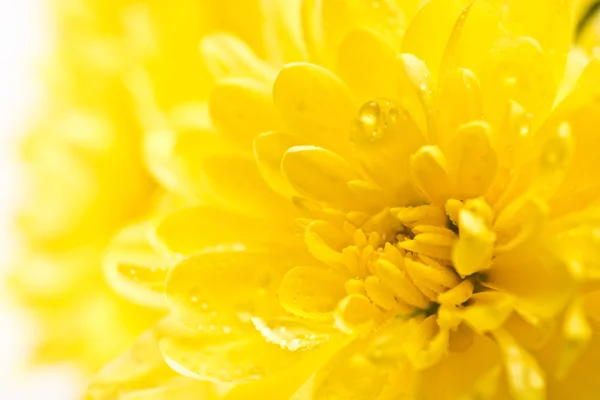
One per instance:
(406,209)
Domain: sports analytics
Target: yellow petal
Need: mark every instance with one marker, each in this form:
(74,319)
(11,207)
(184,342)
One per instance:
(458,84)
(311,292)
(134,269)
(227,56)
(487,311)
(141,373)
(242,108)
(461,375)
(314,104)
(384,137)
(415,93)
(213,290)
(518,70)
(294,334)
(581,381)
(472,160)
(367,64)
(525,378)
(580,186)
(473,35)
(429,44)
(236,183)
(321,175)
(223,359)
(194,229)
(428,171)
(326,23)
(325,242)
(577,333)
(474,248)
(540,284)
(549,23)
(356,314)
(283,31)
(350,375)
(400,284)
(289,380)
(520,222)
(269,149)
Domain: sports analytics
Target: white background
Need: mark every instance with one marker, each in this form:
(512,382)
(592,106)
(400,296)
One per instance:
(24,39)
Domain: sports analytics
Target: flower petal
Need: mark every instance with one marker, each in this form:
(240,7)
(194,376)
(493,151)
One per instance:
(462,374)
(217,288)
(242,108)
(294,334)
(227,56)
(549,23)
(457,84)
(526,380)
(580,110)
(367,64)
(321,175)
(472,160)
(350,375)
(326,23)
(223,359)
(134,269)
(195,229)
(473,35)
(236,183)
(429,172)
(540,284)
(315,105)
(383,139)
(311,292)
(517,70)
(140,373)
(429,44)
(269,149)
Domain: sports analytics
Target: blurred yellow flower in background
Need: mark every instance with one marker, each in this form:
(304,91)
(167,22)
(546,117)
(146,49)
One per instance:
(325,199)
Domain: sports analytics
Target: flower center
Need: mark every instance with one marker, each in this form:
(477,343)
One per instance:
(401,258)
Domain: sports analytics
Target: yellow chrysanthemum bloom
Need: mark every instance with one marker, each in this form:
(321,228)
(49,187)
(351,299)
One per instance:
(407,209)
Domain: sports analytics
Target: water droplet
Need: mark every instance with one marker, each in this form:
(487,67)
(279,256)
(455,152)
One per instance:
(226,329)
(375,119)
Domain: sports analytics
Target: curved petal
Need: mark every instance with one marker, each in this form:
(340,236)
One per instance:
(242,108)
(429,31)
(236,183)
(473,35)
(548,22)
(327,22)
(469,374)
(517,70)
(134,269)
(140,373)
(311,292)
(367,64)
(321,175)
(216,289)
(195,229)
(315,105)
(269,149)
(227,56)
(383,139)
